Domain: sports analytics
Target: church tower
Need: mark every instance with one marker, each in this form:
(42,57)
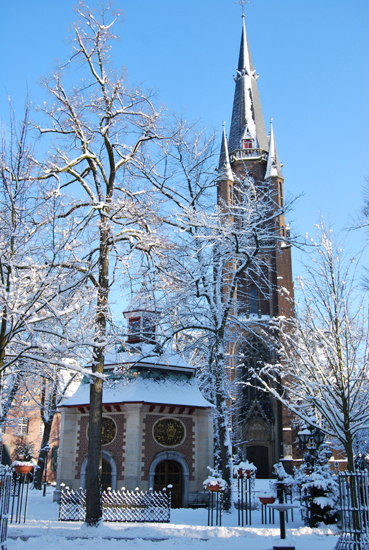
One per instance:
(261,428)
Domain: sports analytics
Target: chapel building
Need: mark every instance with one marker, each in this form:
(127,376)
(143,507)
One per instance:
(157,428)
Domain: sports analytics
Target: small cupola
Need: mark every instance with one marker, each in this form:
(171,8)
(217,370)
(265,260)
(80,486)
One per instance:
(141,326)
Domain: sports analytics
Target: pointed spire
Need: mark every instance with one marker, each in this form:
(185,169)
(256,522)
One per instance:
(247,116)
(225,169)
(273,167)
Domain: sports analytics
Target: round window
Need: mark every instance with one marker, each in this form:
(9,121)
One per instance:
(108,431)
(169,432)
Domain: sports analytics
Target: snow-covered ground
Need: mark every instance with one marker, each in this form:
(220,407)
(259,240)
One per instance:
(187,529)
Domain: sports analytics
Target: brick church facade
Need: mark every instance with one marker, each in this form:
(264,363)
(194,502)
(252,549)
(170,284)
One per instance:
(261,427)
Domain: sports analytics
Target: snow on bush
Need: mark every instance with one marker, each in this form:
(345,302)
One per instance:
(214,479)
(319,490)
(244,466)
(282,475)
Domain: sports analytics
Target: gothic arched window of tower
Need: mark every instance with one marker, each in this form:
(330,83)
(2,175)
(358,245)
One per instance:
(255,354)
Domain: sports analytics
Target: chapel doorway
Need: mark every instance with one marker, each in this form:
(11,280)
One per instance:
(259,456)
(105,475)
(169,472)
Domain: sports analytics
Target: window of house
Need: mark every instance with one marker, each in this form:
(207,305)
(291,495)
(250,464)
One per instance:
(5,454)
(42,429)
(247,144)
(134,328)
(148,328)
(22,426)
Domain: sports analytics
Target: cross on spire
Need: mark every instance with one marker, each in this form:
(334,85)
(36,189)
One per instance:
(242,3)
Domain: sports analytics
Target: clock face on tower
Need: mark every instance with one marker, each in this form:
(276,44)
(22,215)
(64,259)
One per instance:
(169,432)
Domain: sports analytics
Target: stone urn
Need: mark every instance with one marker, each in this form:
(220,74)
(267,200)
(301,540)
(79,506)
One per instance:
(267,500)
(23,468)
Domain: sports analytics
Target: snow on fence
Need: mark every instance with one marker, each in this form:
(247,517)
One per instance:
(5,490)
(128,506)
(354,505)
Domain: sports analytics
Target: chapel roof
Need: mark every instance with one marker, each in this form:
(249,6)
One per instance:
(145,377)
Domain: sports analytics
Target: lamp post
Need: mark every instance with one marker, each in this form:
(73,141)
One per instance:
(304,438)
(47,449)
(306,435)
(318,437)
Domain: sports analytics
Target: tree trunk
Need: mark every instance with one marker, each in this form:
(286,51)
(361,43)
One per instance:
(225,448)
(93,477)
(8,401)
(40,468)
(222,427)
(350,454)
(93,473)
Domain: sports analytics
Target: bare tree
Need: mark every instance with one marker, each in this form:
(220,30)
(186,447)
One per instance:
(33,283)
(324,349)
(212,247)
(99,127)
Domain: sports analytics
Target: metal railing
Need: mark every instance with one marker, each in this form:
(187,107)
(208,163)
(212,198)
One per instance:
(354,507)
(122,505)
(5,491)
(242,154)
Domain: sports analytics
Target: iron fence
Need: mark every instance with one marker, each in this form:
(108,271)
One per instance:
(244,485)
(354,508)
(5,490)
(215,508)
(125,506)
(19,496)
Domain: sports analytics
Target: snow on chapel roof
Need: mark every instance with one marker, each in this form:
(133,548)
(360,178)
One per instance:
(176,384)
(139,390)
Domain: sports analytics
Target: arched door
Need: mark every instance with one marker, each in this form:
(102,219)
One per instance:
(259,456)
(105,475)
(169,472)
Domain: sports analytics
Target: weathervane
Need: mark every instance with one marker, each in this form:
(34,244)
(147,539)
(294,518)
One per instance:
(242,3)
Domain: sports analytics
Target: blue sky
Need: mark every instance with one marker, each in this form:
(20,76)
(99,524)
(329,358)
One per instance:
(312,57)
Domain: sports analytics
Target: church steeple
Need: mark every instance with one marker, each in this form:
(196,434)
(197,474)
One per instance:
(247,126)
(273,166)
(225,170)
